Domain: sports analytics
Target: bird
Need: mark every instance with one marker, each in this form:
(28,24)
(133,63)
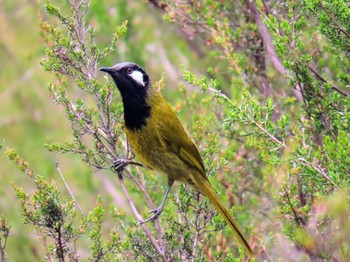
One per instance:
(160,141)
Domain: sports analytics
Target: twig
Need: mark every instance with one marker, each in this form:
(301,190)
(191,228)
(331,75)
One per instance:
(331,17)
(273,138)
(266,132)
(298,219)
(49,255)
(150,202)
(179,213)
(318,169)
(99,139)
(335,88)
(2,253)
(108,113)
(102,115)
(60,245)
(69,190)
(139,218)
(142,188)
(2,250)
(196,236)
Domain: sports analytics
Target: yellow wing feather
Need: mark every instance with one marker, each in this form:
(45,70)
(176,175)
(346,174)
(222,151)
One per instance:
(179,144)
(176,137)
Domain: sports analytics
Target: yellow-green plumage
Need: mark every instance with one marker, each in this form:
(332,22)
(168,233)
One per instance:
(159,140)
(164,145)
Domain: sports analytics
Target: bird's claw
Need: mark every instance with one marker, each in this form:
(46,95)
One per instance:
(119,164)
(154,217)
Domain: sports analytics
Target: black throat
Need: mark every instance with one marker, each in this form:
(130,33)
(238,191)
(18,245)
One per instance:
(134,95)
(136,112)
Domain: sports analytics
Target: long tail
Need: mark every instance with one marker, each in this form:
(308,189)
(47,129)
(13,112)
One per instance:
(205,188)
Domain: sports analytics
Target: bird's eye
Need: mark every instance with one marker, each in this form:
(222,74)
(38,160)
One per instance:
(129,71)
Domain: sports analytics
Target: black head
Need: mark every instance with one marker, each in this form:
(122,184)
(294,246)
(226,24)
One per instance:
(130,78)
(133,84)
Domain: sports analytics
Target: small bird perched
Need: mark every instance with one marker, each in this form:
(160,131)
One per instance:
(159,140)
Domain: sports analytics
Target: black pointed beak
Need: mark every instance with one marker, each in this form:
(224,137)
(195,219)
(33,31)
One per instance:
(108,70)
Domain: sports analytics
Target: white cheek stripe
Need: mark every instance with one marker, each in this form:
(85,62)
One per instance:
(138,77)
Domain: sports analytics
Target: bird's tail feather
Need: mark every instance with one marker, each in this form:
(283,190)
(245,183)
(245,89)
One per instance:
(205,188)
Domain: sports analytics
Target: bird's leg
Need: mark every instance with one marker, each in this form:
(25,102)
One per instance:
(156,212)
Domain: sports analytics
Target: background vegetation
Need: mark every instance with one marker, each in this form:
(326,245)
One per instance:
(263,88)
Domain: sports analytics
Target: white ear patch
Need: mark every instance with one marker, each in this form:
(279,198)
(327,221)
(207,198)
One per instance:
(138,77)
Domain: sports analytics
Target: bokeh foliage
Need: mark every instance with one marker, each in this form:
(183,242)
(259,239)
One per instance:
(265,97)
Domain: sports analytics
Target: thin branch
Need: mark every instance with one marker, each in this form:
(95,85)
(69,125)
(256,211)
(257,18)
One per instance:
(318,169)
(108,109)
(60,245)
(298,220)
(95,134)
(164,7)
(49,255)
(335,88)
(68,188)
(80,32)
(106,134)
(198,228)
(154,242)
(150,202)
(102,115)
(142,188)
(334,21)
(2,251)
(273,138)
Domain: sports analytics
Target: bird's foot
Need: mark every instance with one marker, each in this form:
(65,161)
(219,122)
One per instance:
(156,213)
(119,164)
